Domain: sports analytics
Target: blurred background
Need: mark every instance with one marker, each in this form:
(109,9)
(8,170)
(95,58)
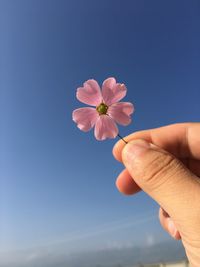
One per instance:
(58,202)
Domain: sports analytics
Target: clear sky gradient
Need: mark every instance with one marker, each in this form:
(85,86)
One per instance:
(58,183)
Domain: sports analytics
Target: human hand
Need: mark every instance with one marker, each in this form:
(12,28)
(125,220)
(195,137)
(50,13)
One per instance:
(165,163)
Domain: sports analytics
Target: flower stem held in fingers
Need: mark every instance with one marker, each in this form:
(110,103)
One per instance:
(122,139)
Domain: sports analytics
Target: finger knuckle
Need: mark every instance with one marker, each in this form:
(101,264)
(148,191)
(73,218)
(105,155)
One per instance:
(159,169)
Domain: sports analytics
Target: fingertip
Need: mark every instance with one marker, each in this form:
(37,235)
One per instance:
(125,184)
(172,229)
(117,149)
(168,224)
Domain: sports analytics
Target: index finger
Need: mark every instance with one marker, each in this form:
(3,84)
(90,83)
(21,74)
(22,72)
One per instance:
(181,140)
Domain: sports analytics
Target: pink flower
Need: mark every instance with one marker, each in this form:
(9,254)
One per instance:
(108,110)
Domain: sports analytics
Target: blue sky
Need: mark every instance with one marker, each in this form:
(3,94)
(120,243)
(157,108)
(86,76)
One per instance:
(58,183)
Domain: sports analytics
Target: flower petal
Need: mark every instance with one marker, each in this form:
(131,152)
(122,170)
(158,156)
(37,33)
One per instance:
(85,118)
(121,112)
(105,127)
(109,82)
(90,93)
(113,92)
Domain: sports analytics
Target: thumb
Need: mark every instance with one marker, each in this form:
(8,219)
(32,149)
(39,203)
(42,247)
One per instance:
(164,178)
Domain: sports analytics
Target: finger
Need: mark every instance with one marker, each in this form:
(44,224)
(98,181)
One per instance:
(168,224)
(163,177)
(126,184)
(182,140)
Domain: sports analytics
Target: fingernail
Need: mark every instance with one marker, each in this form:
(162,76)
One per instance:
(172,228)
(135,148)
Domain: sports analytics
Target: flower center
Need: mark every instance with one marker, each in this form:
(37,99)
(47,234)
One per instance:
(102,109)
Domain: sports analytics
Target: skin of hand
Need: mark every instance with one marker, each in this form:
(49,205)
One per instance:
(165,163)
